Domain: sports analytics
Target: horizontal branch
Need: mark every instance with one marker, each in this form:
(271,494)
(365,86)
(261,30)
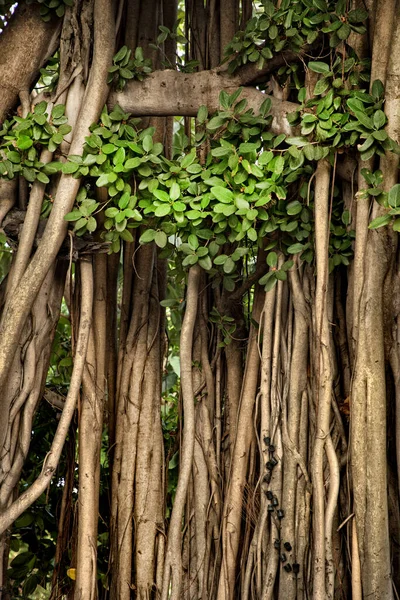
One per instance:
(171,93)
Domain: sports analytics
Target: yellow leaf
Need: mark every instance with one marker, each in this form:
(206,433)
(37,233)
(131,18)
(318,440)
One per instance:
(71,574)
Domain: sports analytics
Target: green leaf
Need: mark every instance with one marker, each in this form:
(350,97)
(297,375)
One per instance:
(202,114)
(194,169)
(147,236)
(14,157)
(344,32)
(377,89)
(368,153)
(319,67)
(126,235)
(81,224)
(24,520)
(40,108)
(288,264)
(272,259)
(132,163)
(193,241)
(229,265)
(219,151)
(215,123)
(70,167)
(163,210)
(42,177)
(161,239)
(270,284)
(191,259)
(222,194)
(161,195)
(125,73)
(248,147)
(205,263)
(321,86)
(265,158)
(108,148)
(380,135)
(21,559)
(102,180)
(380,222)
(357,16)
(394,196)
(281,275)
(367,144)
(379,119)
(91,224)
(175,191)
(30,585)
(297,141)
(122,52)
(220,260)
(24,142)
(242,204)
(147,143)
(279,163)
(295,248)
(364,119)
(294,208)
(58,111)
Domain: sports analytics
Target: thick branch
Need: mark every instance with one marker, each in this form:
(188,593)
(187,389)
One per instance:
(25,45)
(169,92)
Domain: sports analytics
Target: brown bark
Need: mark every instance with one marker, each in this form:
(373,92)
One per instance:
(184,93)
(25,45)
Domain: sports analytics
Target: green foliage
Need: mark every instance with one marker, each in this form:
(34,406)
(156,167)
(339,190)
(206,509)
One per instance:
(125,68)
(176,34)
(34,534)
(49,75)
(22,139)
(48,8)
(252,189)
(225,324)
(294,25)
(60,368)
(389,200)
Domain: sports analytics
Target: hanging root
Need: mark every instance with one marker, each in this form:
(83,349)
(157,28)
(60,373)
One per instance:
(173,562)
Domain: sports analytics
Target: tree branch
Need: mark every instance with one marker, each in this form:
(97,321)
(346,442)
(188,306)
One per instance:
(169,92)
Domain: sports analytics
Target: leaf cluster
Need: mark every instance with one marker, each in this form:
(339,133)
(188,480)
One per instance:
(50,7)
(126,67)
(23,139)
(293,26)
